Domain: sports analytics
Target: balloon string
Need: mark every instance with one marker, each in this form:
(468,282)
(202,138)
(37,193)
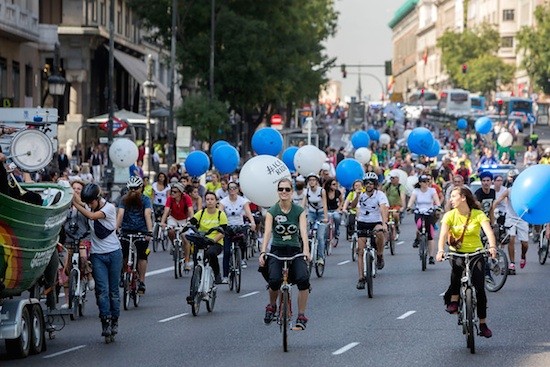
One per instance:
(513,224)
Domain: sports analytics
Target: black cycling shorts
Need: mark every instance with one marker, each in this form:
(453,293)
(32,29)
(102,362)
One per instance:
(298,271)
(141,247)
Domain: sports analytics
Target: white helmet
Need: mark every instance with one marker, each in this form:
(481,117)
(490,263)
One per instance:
(370,176)
(134,182)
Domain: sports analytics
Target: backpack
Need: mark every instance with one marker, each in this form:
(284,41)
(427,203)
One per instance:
(202,213)
(389,185)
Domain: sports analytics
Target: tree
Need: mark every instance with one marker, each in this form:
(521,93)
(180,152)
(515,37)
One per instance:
(533,45)
(208,118)
(477,48)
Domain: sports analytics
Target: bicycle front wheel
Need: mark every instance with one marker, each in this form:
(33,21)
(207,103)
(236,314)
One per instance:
(391,240)
(285,318)
(496,271)
(369,261)
(74,297)
(195,294)
(423,249)
(543,248)
(127,291)
(176,258)
(354,248)
(238,270)
(155,236)
(470,341)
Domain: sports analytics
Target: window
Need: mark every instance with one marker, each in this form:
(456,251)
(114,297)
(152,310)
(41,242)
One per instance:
(93,10)
(28,81)
(127,21)
(102,11)
(508,14)
(3,78)
(119,18)
(507,42)
(15,82)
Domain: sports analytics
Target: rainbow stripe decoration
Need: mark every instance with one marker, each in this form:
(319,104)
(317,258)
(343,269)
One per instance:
(11,258)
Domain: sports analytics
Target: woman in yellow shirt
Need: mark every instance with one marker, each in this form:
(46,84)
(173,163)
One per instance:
(467,218)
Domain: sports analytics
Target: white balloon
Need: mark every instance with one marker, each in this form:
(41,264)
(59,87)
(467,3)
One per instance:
(123,152)
(259,178)
(384,139)
(409,185)
(402,175)
(309,159)
(406,133)
(505,139)
(363,155)
(461,142)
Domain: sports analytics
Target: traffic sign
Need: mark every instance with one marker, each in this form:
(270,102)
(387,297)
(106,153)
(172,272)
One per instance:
(277,121)
(118,125)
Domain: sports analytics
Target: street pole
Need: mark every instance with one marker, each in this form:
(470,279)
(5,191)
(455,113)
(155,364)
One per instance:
(148,141)
(172,126)
(212,46)
(108,175)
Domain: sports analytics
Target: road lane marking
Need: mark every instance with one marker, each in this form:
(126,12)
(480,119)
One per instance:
(249,294)
(174,317)
(442,294)
(343,262)
(405,315)
(64,351)
(400,242)
(158,271)
(344,349)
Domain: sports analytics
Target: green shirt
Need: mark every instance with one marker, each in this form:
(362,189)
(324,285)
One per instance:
(286,226)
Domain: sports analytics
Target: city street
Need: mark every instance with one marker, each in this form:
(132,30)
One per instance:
(404,324)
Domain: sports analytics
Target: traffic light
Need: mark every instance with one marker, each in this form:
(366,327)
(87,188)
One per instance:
(422,93)
(464,68)
(343,69)
(500,104)
(388,68)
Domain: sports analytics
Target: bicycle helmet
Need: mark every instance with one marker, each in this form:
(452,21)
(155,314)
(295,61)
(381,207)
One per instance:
(370,176)
(316,176)
(134,182)
(513,173)
(485,174)
(90,192)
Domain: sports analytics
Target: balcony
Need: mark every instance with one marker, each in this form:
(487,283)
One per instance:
(18,24)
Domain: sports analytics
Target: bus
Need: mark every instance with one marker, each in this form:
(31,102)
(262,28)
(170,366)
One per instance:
(508,105)
(478,103)
(455,102)
(423,97)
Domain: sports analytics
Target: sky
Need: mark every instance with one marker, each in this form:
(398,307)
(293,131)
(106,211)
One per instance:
(363,37)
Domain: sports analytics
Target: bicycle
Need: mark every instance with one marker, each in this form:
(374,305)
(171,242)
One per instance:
(77,284)
(423,237)
(330,240)
(370,259)
(202,281)
(353,242)
(237,234)
(159,233)
(467,312)
(391,230)
(496,270)
(284,318)
(131,275)
(177,252)
(313,246)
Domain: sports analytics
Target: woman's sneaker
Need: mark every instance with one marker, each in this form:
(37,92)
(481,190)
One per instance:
(511,269)
(301,322)
(522,263)
(485,331)
(269,313)
(452,307)
(361,283)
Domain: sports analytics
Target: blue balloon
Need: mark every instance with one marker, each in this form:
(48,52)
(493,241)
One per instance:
(226,159)
(420,141)
(484,125)
(217,144)
(360,139)
(197,163)
(288,158)
(434,150)
(348,171)
(373,134)
(267,141)
(462,124)
(530,194)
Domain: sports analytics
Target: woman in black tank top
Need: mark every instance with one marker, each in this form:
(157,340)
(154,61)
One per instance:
(334,204)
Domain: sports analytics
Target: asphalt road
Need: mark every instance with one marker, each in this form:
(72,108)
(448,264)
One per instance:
(404,324)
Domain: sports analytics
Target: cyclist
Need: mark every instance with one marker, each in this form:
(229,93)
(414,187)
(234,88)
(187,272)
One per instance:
(235,207)
(134,216)
(485,195)
(177,211)
(315,202)
(395,192)
(106,254)
(206,219)
(357,187)
(287,223)
(466,220)
(214,184)
(223,191)
(372,214)
(335,203)
(298,194)
(161,191)
(425,198)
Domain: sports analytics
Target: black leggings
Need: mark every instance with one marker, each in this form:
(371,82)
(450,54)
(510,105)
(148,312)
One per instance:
(477,267)
(298,272)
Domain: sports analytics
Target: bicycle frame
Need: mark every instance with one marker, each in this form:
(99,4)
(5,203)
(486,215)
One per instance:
(178,250)
(131,274)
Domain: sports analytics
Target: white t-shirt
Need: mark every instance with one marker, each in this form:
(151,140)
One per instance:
(314,199)
(111,242)
(298,198)
(368,207)
(424,200)
(221,194)
(160,196)
(234,210)
(501,207)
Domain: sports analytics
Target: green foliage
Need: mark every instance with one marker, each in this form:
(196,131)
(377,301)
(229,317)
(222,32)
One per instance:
(477,48)
(208,119)
(534,46)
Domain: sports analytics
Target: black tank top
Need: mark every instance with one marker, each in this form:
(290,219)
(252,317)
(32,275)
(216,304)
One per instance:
(332,204)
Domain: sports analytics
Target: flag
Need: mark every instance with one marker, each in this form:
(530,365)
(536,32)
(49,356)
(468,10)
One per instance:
(425,56)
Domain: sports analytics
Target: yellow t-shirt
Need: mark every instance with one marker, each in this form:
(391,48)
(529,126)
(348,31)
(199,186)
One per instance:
(456,222)
(544,160)
(209,221)
(211,187)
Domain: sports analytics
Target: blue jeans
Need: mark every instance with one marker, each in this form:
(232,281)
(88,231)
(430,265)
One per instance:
(321,229)
(337,219)
(106,270)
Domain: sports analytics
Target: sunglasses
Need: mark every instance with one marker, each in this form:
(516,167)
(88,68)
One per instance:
(233,187)
(285,189)
(369,183)
(423,181)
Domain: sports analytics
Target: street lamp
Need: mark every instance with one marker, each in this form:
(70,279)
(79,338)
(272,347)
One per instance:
(56,82)
(149,91)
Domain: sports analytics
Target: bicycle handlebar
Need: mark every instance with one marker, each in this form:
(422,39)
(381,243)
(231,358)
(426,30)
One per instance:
(285,258)
(447,255)
(136,235)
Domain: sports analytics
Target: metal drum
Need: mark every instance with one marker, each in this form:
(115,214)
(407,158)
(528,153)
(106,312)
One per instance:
(31,150)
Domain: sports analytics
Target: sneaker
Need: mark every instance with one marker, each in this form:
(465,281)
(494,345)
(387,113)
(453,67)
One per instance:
(380,263)
(141,287)
(91,284)
(187,266)
(65,306)
(396,236)
(485,331)
(511,269)
(269,313)
(452,307)
(522,263)
(301,322)
(321,261)
(361,283)
(387,246)
(415,244)
(243,264)
(431,260)
(217,279)
(225,280)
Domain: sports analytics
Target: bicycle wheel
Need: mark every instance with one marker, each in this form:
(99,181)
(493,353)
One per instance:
(423,250)
(212,301)
(135,294)
(231,272)
(155,237)
(181,261)
(496,271)
(543,248)
(74,297)
(313,251)
(470,341)
(319,269)
(369,261)
(391,240)
(164,240)
(238,270)
(285,318)
(82,303)
(195,294)
(176,259)
(127,291)
(354,248)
